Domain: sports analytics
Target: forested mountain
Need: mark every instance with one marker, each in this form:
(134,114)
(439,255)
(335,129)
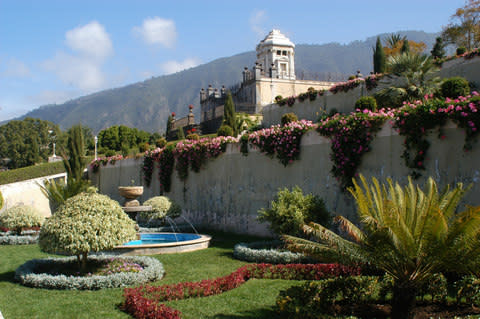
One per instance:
(146,105)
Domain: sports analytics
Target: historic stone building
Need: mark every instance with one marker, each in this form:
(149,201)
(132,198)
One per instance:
(272,75)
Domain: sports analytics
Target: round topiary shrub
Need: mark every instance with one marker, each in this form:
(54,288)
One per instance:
(193,137)
(291,209)
(288,118)
(454,87)
(461,50)
(366,102)
(30,273)
(160,142)
(18,217)
(225,130)
(162,207)
(87,222)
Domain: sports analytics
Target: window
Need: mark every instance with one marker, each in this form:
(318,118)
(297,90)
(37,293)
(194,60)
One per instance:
(279,52)
(284,53)
(283,68)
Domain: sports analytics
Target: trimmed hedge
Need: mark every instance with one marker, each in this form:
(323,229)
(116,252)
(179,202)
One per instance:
(30,172)
(25,274)
(143,302)
(18,240)
(259,253)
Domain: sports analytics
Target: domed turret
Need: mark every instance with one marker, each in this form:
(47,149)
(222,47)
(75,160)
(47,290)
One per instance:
(276,55)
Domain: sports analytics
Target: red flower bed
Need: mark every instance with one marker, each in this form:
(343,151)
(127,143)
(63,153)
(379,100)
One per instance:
(143,302)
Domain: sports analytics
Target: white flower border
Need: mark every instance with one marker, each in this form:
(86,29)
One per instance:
(152,270)
(254,252)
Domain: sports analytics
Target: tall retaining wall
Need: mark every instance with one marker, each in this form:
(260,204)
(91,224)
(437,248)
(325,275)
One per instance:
(228,192)
(344,102)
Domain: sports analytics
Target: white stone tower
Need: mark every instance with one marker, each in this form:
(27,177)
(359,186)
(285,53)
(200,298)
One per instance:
(276,54)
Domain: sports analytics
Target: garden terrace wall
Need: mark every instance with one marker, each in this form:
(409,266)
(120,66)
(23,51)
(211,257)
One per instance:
(228,192)
(344,102)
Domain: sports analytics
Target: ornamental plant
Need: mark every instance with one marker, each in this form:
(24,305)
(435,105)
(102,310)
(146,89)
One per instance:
(162,207)
(291,210)
(350,137)
(410,232)
(1,200)
(87,222)
(366,102)
(454,87)
(18,217)
(282,141)
(288,118)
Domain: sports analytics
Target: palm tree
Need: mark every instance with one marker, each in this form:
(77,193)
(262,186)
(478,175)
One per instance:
(415,72)
(407,232)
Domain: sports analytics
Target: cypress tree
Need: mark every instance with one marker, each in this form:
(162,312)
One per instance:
(75,161)
(180,134)
(405,46)
(438,50)
(378,57)
(169,126)
(229,116)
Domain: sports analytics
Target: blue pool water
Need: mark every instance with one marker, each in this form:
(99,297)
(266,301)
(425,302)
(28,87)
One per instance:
(149,239)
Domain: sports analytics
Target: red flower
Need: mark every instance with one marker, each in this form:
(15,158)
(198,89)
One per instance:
(190,106)
(173,114)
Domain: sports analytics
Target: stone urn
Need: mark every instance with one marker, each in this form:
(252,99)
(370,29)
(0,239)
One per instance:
(130,193)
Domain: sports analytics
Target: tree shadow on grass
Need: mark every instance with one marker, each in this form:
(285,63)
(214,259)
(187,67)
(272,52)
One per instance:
(261,313)
(7,276)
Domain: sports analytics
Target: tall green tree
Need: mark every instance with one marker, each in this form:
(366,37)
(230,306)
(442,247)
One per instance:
(438,50)
(180,134)
(229,115)
(378,57)
(407,232)
(405,47)
(169,125)
(464,27)
(74,158)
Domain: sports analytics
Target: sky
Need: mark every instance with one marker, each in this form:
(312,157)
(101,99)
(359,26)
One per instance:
(54,51)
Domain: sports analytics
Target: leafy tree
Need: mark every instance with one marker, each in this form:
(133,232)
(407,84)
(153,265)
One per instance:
(169,125)
(378,57)
(438,50)
(405,47)
(407,232)
(395,43)
(86,222)
(464,27)
(229,116)
(180,134)
(27,142)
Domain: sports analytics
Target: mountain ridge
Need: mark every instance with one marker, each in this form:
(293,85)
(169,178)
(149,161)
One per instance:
(147,104)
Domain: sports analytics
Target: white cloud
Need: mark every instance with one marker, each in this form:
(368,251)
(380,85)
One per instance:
(176,66)
(90,40)
(16,69)
(257,19)
(157,31)
(82,69)
(78,72)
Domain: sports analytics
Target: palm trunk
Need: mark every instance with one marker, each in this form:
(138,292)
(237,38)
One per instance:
(403,300)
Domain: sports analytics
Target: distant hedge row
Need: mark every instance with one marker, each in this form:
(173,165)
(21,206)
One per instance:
(25,173)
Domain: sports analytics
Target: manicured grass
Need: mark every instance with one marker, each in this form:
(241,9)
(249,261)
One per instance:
(252,300)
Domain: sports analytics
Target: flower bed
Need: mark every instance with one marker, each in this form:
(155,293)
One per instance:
(267,252)
(28,237)
(95,164)
(27,276)
(143,302)
(284,141)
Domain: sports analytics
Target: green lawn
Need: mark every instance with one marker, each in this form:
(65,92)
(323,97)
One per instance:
(252,300)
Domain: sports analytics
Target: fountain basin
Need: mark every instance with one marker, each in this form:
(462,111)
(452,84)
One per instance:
(163,243)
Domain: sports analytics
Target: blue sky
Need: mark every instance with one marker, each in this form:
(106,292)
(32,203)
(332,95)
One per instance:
(53,51)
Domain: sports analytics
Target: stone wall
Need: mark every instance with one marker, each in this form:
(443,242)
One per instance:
(228,192)
(28,193)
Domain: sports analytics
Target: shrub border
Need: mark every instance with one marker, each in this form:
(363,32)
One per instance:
(254,252)
(18,240)
(143,302)
(153,269)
